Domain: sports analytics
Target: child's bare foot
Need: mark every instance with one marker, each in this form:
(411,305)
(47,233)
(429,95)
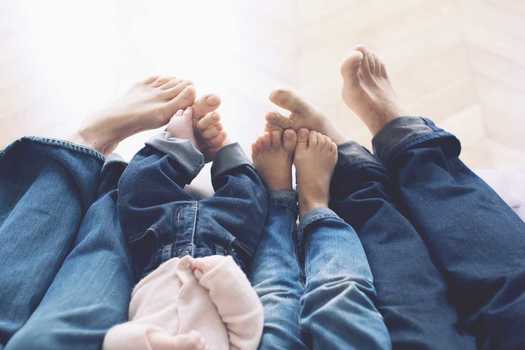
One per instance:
(302,116)
(210,135)
(181,125)
(368,91)
(273,158)
(148,105)
(315,158)
(189,341)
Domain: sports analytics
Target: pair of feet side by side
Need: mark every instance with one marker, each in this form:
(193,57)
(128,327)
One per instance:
(367,91)
(149,104)
(314,156)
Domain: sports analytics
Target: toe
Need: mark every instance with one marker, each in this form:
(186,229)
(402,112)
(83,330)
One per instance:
(170,83)
(278,121)
(211,132)
(184,99)
(176,89)
(313,139)
(266,142)
(150,80)
(208,120)
(302,137)
(160,81)
(289,140)
(350,67)
(366,65)
(206,104)
(289,101)
(276,138)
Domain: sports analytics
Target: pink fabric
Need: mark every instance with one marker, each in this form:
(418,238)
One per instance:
(210,295)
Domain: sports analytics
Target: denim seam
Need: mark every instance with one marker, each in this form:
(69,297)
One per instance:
(194,228)
(65,144)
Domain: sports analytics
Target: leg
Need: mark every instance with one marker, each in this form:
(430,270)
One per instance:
(47,185)
(418,316)
(412,293)
(472,235)
(276,274)
(234,217)
(151,190)
(338,308)
(90,292)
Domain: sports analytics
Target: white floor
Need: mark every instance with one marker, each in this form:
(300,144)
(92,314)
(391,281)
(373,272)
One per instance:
(461,62)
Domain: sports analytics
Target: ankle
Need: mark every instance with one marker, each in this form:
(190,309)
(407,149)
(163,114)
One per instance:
(308,205)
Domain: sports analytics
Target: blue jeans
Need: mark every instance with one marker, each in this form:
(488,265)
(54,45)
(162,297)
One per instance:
(444,249)
(65,275)
(474,238)
(161,221)
(334,307)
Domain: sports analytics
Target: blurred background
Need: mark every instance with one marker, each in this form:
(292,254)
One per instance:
(460,62)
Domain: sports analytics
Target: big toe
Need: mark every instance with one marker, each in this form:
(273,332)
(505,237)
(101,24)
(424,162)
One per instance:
(191,341)
(289,140)
(350,66)
(205,105)
(276,136)
(289,101)
(276,120)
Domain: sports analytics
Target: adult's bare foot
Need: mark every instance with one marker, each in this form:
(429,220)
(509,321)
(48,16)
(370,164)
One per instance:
(148,105)
(272,155)
(367,89)
(302,116)
(315,159)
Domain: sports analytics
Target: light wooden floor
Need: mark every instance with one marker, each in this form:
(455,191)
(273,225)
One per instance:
(461,62)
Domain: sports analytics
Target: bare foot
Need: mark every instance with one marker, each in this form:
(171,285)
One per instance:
(189,341)
(148,105)
(302,116)
(273,158)
(368,91)
(181,125)
(210,135)
(315,158)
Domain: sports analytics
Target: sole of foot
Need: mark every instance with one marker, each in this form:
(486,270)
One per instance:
(315,159)
(149,104)
(367,90)
(273,155)
(302,115)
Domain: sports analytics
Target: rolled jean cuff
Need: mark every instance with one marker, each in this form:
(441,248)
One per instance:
(181,150)
(313,216)
(287,199)
(229,157)
(404,132)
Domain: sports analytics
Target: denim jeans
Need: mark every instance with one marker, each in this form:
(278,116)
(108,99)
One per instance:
(334,307)
(474,238)
(411,291)
(161,221)
(65,274)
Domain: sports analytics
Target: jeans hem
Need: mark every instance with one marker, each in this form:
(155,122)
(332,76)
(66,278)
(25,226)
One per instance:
(48,141)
